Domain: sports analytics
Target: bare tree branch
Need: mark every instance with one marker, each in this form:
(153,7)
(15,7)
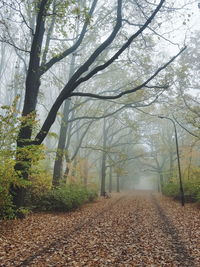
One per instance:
(68,51)
(121,50)
(183,127)
(114,112)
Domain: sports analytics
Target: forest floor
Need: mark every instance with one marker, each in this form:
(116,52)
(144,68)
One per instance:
(127,230)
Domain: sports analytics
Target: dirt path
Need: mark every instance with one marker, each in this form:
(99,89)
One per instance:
(138,229)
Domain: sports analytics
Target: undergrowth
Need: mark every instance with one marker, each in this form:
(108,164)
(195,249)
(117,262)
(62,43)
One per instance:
(191,190)
(64,198)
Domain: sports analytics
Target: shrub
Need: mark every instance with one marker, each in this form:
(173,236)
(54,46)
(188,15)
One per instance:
(171,190)
(40,184)
(65,198)
(38,187)
(92,195)
(191,190)
(8,133)
(22,212)
(198,197)
(9,128)
(6,206)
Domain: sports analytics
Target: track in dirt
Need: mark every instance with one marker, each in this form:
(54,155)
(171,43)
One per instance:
(130,230)
(177,245)
(56,244)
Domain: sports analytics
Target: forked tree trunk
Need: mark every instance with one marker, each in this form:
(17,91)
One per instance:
(23,161)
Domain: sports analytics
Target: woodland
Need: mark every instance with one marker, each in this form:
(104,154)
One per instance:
(93,95)
(99,133)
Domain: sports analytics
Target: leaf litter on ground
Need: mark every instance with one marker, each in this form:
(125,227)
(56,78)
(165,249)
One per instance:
(127,230)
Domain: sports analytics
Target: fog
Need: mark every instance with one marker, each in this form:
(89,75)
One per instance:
(97,84)
(147,183)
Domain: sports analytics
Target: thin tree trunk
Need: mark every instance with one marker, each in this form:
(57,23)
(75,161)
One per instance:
(85,174)
(58,170)
(103,164)
(161,180)
(171,162)
(57,173)
(67,157)
(159,184)
(110,180)
(118,183)
(103,174)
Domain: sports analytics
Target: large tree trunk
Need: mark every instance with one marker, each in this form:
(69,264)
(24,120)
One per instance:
(23,161)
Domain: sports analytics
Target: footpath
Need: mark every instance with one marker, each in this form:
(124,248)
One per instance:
(127,230)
